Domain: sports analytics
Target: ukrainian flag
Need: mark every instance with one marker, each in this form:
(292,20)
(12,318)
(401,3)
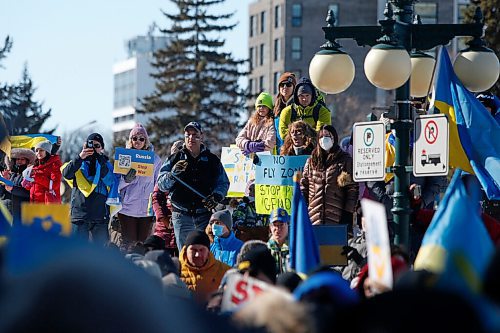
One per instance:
(5,223)
(474,133)
(5,181)
(25,141)
(304,250)
(456,244)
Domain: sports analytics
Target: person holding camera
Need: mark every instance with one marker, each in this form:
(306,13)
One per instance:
(91,177)
(135,191)
(188,175)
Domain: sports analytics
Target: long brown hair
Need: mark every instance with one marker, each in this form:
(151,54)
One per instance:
(307,131)
(255,119)
(320,159)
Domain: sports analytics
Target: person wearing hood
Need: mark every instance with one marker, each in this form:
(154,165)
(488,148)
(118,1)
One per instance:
(284,98)
(89,211)
(327,183)
(44,180)
(306,106)
(192,167)
(225,246)
(135,221)
(19,160)
(200,271)
(259,134)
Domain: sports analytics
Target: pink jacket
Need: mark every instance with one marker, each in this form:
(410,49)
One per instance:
(262,131)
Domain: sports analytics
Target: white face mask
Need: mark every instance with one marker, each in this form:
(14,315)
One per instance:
(326,143)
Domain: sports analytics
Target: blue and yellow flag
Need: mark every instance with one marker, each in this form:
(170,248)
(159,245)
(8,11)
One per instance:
(5,223)
(5,181)
(474,133)
(24,141)
(304,250)
(456,244)
(52,218)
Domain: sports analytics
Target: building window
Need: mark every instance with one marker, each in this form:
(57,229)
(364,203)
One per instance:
(252,25)
(277,49)
(335,8)
(261,55)
(427,12)
(250,58)
(125,84)
(461,41)
(261,83)
(296,15)
(250,86)
(296,48)
(276,77)
(262,22)
(277,16)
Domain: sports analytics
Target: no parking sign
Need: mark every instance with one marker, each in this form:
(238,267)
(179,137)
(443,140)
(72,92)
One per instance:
(430,153)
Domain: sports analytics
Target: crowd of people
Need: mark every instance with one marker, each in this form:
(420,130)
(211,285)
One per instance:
(179,227)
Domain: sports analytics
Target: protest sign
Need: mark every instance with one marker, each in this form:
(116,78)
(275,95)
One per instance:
(52,218)
(239,169)
(274,181)
(141,160)
(377,243)
(240,289)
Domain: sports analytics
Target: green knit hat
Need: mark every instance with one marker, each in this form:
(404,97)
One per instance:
(264,99)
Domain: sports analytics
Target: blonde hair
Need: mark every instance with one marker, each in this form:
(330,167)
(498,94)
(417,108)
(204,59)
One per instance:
(255,119)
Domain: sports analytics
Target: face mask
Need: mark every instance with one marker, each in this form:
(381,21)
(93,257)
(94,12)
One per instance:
(326,143)
(217,230)
(251,199)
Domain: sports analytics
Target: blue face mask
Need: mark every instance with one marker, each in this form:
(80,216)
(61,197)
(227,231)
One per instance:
(217,230)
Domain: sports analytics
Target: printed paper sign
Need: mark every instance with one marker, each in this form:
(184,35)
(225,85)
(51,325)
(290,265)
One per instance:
(52,218)
(377,242)
(141,160)
(239,169)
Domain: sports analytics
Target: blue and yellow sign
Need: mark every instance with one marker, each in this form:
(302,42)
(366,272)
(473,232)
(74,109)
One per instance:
(274,181)
(141,160)
(239,169)
(331,239)
(53,218)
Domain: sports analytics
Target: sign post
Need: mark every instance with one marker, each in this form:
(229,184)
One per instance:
(369,153)
(430,152)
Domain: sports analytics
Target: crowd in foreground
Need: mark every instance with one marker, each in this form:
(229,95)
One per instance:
(195,243)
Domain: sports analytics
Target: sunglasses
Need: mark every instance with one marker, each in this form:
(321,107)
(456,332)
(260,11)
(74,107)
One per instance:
(141,139)
(288,84)
(96,145)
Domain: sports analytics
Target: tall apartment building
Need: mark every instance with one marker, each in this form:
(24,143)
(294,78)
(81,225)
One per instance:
(132,82)
(284,35)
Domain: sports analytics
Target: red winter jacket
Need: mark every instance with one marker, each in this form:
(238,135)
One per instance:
(42,175)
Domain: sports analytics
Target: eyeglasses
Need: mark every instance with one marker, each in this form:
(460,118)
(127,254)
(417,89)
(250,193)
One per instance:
(96,145)
(288,84)
(141,139)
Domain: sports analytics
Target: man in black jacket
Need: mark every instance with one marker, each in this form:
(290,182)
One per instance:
(89,212)
(201,170)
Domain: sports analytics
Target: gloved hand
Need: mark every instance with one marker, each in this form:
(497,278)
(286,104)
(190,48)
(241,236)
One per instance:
(212,200)
(130,176)
(52,193)
(352,254)
(254,147)
(179,167)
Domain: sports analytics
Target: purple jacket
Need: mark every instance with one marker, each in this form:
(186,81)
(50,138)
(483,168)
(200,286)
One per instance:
(135,195)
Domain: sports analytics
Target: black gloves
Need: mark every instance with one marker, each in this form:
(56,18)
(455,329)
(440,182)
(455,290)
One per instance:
(179,167)
(130,176)
(352,254)
(212,200)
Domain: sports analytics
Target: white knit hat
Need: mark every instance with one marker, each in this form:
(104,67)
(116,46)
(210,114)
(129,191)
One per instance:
(45,145)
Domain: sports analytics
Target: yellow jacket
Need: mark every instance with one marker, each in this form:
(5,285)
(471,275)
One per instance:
(306,114)
(202,281)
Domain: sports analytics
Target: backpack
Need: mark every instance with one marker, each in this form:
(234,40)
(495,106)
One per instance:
(315,113)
